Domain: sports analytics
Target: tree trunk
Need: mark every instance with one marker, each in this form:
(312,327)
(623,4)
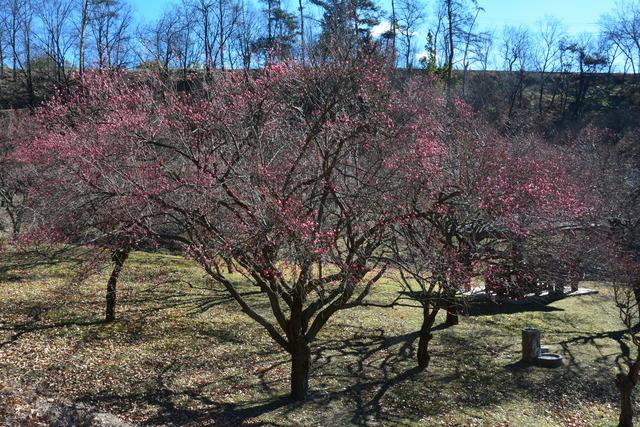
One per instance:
(83,27)
(118,257)
(393,31)
(452,315)
(423,350)
(15,218)
(29,80)
(625,386)
(13,41)
(302,45)
(300,363)
(16,223)
(269,25)
(541,92)
(1,61)
(636,292)
(428,318)
(450,57)
(221,25)
(230,268)
(207,42)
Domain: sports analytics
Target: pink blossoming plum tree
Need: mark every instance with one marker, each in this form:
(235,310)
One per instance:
(311,181)
(290,173)
(489,193)
(87,180)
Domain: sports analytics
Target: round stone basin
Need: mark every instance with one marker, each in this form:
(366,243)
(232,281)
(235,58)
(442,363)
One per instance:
(549,360)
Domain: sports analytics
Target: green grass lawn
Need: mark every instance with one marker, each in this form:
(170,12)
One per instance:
(182,353)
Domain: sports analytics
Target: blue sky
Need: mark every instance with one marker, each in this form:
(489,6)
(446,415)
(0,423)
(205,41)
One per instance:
(578,15)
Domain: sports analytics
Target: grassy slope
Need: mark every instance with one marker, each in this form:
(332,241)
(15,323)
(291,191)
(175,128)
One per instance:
(183,353)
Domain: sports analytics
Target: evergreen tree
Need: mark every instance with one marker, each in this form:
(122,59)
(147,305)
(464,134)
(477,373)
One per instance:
(345,25)
(282,30)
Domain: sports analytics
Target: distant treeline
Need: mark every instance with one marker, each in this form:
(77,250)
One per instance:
(502,73)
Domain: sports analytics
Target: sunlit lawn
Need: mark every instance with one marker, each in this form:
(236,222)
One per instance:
(183,353)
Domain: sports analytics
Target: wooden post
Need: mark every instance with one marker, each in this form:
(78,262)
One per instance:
(530,344)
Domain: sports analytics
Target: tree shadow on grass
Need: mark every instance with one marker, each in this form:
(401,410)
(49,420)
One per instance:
(492,309)
(27,259)
(370,377)
(216,413)
(385,385)
(18,331)
(368,372)
(222,413)
(273,409)
(622,358)
(193,299)
(165,399)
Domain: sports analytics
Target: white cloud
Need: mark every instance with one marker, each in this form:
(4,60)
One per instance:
(385,26)
(380,29)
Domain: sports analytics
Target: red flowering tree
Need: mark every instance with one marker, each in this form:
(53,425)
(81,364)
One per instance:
(490,194)
(290,173)
(301,177)
(537,202)
(83,168)
(293,175)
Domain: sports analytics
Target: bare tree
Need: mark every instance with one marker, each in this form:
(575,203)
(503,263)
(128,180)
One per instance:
(19,26)
(187,45)
(629,311)
(450,29)
(394,30)
(456,19)
(482,49)
(470,39)
(246,32)
(56,39)
(13,28)
(410,16)
(109,22)
(516,56)
(3,34)
(547,51)
(27,34)
(302,41)
(622,28)
(207,32)
(82,32)
(160,40)
(229,14)
(14,177)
